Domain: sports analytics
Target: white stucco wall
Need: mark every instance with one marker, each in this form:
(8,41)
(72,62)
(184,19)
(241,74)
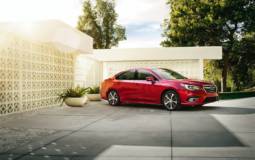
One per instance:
(156,54)
(91,72)
(91,69)
(88,72)
(188,68)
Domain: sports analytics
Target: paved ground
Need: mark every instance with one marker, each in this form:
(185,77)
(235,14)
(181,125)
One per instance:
(223,131)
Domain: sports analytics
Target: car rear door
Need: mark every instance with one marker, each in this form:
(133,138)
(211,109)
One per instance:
(125,86)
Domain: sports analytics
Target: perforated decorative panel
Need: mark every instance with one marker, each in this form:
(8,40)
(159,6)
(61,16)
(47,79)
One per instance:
(32,74)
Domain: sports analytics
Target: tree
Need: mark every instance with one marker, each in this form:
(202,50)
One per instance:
(243,65)
(100,22)
(210,22)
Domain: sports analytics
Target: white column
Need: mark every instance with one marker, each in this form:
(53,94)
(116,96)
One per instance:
(201,68)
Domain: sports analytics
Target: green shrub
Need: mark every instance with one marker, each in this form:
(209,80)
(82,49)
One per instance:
(72,92)
(235,95)
(93,90)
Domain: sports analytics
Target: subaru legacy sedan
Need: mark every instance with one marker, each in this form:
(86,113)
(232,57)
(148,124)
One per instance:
(157,86)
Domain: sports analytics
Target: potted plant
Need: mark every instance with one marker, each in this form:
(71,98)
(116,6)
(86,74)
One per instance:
(93,93)
(74,97)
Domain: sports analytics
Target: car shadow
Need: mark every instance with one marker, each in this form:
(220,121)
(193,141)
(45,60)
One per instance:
(143,106)
(218,110)
(197,127)
(203,129)
(205,109)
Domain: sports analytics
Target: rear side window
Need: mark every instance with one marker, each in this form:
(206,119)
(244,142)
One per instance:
(129,75)
(142,74)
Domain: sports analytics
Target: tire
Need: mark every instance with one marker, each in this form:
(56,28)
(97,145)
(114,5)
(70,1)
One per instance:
(171,100)
(113,98)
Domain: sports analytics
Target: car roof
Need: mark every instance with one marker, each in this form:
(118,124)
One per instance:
(146,68)
(150,69)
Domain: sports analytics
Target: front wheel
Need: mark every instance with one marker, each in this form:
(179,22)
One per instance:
(113,98)
(171,100)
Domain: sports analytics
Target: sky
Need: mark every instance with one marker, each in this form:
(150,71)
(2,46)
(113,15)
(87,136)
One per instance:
(142,18)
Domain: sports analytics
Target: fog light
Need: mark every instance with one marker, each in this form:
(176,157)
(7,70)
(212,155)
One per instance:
(193,99)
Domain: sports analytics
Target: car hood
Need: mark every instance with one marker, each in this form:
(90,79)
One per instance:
(192,81)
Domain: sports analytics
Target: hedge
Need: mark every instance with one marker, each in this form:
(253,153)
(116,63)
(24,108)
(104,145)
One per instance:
(234,95)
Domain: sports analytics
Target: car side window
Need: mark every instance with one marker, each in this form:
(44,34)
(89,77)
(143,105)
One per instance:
(129,75)
(142,74)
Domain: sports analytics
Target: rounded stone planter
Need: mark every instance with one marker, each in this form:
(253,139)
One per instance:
(94,97)
(76,101)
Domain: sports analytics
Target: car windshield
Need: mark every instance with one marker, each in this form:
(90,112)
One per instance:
(168,74)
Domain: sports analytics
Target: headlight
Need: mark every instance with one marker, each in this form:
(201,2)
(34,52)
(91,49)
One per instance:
(191,87)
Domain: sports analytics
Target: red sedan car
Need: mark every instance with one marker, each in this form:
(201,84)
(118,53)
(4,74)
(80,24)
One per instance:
(157,86)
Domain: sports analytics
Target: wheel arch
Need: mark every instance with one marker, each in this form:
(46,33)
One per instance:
(110,89)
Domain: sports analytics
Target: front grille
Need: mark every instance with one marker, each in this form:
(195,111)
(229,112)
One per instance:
(210,88)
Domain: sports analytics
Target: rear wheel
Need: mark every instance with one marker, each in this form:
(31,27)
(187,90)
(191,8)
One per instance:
(171,100)
(113,98)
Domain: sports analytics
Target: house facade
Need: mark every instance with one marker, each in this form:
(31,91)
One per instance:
(40,60)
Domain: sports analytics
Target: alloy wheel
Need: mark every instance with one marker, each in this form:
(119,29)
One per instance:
(113,98)
(171,100)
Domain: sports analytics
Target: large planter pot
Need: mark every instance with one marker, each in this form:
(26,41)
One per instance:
(76,101)
(94,97)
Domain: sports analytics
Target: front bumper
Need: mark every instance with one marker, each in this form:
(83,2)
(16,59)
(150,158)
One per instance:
(194,98)
(211,99)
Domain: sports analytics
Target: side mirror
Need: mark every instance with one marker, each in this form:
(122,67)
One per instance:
(151,79)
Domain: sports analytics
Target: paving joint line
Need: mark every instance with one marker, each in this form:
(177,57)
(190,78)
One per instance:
(68,134)
(171,135)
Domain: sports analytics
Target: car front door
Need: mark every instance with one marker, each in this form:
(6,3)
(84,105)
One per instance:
(146,90)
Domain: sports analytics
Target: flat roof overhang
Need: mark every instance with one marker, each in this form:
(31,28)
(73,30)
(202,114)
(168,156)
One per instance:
(55,32)
(171,53)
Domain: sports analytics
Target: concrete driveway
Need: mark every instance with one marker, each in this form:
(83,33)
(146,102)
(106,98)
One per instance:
(223,130)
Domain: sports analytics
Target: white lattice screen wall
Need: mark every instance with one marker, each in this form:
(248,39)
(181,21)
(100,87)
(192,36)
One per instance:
(32,74)
(188,68)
